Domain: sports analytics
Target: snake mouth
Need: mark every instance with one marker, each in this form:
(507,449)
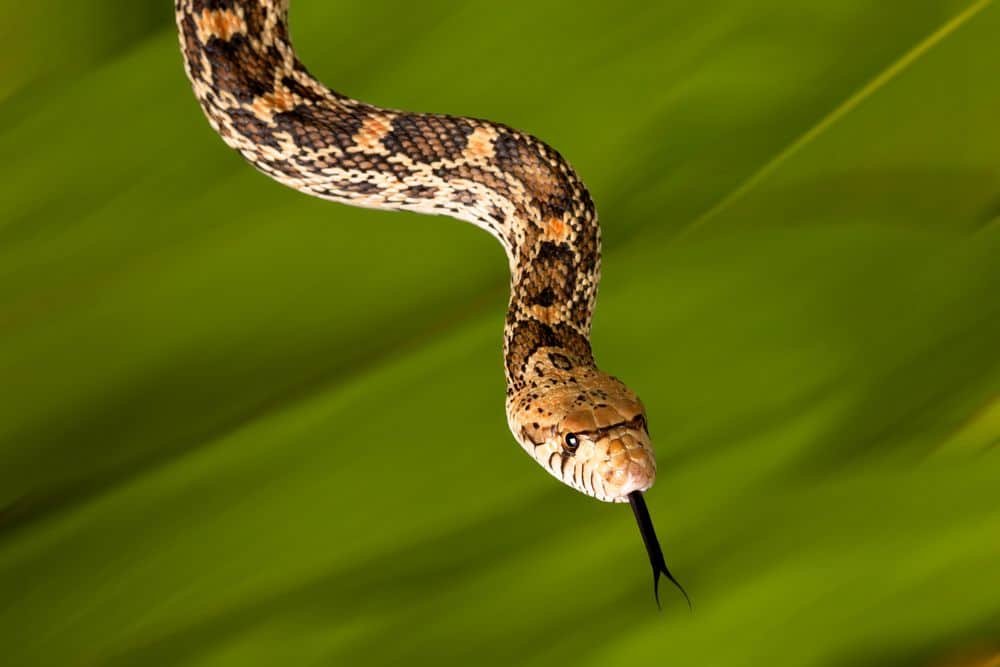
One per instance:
(638,478)
(629,468)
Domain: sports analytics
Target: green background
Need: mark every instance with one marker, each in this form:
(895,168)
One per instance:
(242,426)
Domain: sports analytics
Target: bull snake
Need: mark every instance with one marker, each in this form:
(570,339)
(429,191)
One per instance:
(583,426)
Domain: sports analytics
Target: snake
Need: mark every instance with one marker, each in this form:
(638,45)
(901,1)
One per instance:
(581,424)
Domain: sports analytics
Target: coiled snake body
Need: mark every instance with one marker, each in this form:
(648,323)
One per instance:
(582,425)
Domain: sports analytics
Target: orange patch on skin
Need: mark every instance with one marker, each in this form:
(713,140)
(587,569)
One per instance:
(368,139)
(267,105)
(547,314)
(220,23)
(481,143)
(556,229)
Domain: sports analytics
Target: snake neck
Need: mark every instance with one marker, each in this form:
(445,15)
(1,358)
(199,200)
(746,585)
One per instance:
(264,103)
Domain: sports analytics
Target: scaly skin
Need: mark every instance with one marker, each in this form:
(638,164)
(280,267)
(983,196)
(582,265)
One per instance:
(582,425)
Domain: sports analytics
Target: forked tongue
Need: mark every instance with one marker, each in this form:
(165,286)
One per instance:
(653,547)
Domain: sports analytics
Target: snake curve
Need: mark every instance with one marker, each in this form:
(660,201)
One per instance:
(583,426)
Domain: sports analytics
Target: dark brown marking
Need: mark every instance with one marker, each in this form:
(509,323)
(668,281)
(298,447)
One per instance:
(239,70)
(560,361)
(420,191)
(428,138)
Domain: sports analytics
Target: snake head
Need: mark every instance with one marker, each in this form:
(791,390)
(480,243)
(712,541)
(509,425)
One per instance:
(590,433)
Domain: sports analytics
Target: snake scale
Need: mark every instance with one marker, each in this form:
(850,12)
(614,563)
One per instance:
(582,425)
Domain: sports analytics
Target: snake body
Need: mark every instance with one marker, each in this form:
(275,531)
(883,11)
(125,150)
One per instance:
(582,425)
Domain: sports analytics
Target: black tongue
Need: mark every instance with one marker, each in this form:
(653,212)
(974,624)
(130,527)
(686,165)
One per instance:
(653,546)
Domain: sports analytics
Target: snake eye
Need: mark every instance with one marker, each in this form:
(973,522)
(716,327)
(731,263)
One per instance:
(571,442)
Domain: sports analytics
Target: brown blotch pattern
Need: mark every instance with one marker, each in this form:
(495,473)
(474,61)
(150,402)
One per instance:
(265,104)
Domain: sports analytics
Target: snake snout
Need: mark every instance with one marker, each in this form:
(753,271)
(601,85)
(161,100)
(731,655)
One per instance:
(630,466)
(638,477)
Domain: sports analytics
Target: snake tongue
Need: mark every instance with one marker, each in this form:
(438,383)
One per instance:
(653,547)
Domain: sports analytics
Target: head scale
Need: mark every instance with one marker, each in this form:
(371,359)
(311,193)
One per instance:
(589,433)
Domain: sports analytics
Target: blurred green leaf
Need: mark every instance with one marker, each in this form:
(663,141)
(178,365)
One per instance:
(240,426)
